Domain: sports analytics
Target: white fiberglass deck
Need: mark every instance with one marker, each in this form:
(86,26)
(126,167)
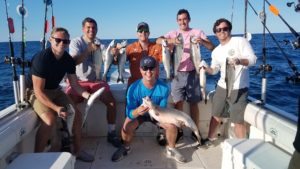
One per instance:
(147,154)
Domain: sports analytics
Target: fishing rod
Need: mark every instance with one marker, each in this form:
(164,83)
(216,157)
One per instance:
(294,78)
(295,44)
(22,11)
(264,58)
(11,30)
(46,24)
(53,18)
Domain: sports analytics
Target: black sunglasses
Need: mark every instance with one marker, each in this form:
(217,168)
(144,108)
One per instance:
(145,68)
(143,30)
(225,29)
(65,41)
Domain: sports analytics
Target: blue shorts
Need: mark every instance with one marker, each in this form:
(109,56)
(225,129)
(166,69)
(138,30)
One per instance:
(186,86)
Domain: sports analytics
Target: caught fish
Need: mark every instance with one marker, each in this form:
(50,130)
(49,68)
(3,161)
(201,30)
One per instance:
(166,58)
(195,53)
(177,54)
(108,59)
(90,102)
(171,116)
(97,58)
(70,118)
(229,77)
(122,61)
(202,79)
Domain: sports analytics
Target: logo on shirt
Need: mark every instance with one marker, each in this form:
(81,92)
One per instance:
(231,52)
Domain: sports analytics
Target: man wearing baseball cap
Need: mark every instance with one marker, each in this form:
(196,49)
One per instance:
(149,87)
(142,47)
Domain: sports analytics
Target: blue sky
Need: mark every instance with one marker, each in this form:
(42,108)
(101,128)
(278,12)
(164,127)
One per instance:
(118,19)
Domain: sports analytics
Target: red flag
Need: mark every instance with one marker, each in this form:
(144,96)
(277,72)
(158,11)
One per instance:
(46,28)
(11,25)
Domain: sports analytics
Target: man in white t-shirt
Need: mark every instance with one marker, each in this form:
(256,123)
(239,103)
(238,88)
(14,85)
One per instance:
(238,53)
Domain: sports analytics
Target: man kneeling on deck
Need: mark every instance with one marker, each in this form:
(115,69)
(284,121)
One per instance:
(136,113)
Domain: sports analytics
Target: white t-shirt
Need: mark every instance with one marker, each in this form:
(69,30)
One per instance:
(86,70)
(237,47)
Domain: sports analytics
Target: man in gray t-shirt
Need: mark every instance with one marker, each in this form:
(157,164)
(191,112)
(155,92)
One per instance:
(86,51)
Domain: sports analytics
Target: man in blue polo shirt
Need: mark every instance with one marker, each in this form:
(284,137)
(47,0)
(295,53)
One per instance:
(136,113)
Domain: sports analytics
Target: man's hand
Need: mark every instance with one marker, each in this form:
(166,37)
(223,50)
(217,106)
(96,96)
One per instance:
(142,110)
(62,113)
(203,64)
(234,61)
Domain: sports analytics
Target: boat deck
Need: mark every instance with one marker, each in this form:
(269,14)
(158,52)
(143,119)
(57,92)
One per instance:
(146,154)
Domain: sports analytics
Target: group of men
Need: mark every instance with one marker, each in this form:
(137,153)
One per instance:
(50,66)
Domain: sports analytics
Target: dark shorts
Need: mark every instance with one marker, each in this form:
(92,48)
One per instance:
(235,107)
(146,118)
(138,121)
(186,86)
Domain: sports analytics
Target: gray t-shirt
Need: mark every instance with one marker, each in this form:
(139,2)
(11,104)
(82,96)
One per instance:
(89,69)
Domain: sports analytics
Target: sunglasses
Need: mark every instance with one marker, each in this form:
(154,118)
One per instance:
(145,68)
(58,40)
(225,29)
(143,30)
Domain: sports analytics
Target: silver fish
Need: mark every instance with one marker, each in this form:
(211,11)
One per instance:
(202,79)
(229,77)
(166,58)
(70,118)
(97,59)
(108,59)
(90,102)
(122,61)
(178,52)
(171,116)
(195,53)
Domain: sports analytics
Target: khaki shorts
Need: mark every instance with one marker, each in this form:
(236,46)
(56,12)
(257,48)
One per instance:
(295,161)
(56,96)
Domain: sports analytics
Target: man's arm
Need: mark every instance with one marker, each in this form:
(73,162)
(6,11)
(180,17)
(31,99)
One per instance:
(208,44)
(83,55)
(38,88)
(75,85)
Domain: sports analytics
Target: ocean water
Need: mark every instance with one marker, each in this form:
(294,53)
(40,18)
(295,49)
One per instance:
(280,93)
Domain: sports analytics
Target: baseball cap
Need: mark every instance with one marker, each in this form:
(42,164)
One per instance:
(147,62)
(142,25)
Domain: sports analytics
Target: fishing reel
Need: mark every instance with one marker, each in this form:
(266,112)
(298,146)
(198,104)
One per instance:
(297,7)
(295,44)
(264,68)
(294,78)
(17,61)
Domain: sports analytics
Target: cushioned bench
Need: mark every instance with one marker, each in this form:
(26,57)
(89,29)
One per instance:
(253,153)
(269,145)
(59,160)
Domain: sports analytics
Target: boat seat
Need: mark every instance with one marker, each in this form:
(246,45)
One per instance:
(270,127)
(253,153)
(53,160)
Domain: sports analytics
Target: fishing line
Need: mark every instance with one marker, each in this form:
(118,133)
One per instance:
(290,63)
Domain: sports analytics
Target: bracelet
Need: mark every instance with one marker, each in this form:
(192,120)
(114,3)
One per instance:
(88,96)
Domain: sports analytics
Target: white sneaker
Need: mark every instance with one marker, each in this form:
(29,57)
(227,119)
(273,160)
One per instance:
(175,154)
